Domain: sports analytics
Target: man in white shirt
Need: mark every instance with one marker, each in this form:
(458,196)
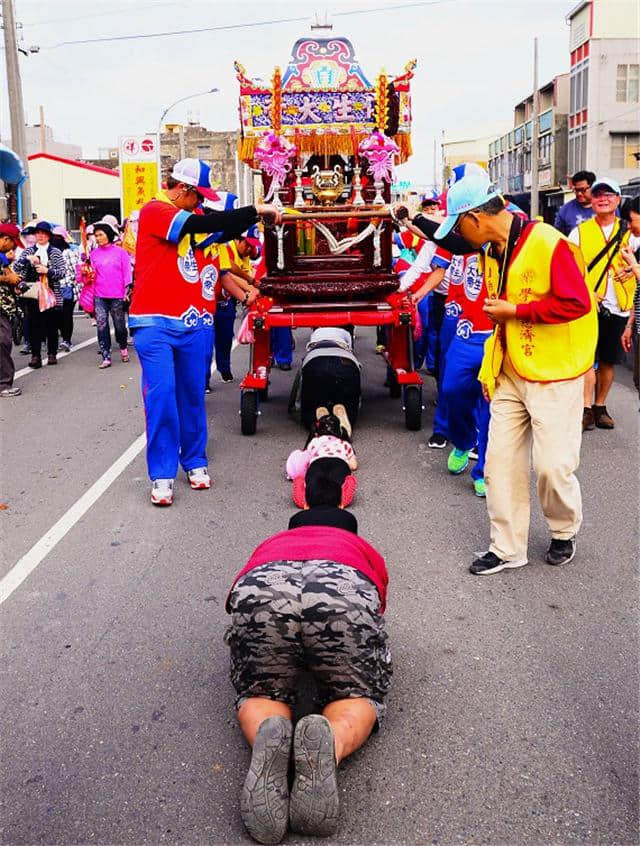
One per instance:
(613,283)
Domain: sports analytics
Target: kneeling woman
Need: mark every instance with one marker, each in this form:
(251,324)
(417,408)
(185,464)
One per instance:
(310,599)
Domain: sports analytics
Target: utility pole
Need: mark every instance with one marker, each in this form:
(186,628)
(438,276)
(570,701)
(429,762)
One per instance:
(534,134)
(435,164)
(16,107)
(43,134)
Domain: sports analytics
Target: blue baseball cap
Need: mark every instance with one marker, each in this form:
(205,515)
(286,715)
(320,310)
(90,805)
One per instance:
(466,194)
(196,173)
(430,198)
(606,182)
(466,169)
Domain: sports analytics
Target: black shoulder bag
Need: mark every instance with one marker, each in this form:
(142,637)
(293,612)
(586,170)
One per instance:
(615,243)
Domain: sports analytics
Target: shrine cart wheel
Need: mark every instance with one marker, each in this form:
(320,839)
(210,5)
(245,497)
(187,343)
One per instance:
(413,407)
(248,412)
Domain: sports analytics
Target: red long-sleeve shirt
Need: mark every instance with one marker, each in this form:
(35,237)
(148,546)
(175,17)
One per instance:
(568,298)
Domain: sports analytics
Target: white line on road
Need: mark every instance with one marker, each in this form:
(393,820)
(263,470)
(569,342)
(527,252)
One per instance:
(25,370)
(28,563)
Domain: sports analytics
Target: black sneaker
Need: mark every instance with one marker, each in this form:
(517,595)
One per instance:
(437,441)
(561,551)
(490,563)
(227,377)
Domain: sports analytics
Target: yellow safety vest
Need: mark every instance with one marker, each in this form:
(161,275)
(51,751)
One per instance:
(539,352)
(592,241)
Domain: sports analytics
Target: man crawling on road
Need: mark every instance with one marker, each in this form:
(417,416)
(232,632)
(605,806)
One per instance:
(312,599)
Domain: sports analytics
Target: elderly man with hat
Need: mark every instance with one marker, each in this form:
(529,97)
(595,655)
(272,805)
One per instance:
(43,261)
(9,240)
(601,240)
(533,367)
(166,317)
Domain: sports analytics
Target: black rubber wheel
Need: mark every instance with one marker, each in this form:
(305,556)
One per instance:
(248,412)
(413,408)
(395,390)
(263,393)
(16,330)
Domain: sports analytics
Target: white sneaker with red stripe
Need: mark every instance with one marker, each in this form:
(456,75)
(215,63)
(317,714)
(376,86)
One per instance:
(162,492)
(199,478)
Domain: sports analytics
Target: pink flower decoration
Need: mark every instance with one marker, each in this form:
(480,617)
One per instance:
(380,150)
(273,154)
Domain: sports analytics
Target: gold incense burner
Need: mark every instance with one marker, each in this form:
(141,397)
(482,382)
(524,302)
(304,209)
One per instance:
(327,185)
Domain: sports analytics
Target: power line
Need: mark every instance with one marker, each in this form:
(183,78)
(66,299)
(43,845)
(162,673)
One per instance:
(120,11)
(248,25)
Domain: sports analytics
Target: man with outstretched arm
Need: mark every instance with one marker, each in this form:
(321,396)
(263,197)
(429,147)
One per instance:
(166,319)
(533,367)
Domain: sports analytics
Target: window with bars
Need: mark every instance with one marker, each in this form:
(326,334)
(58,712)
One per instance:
(624,148)
(627,83)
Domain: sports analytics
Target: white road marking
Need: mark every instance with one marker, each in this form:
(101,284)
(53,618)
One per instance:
(28,563)
(25,370)
(38,552)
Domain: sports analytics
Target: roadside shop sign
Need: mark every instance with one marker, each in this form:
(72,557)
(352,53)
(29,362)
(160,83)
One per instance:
(139,168)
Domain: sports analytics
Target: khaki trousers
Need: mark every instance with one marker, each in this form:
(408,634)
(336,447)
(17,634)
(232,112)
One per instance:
(544,421)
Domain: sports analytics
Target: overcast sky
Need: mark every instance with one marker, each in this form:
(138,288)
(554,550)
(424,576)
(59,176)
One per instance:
(474,61)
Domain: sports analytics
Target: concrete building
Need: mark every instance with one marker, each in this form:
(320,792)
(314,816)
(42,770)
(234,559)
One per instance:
(604,111)
(40,140)
(64,190)
(459,152)
(510,154)
(219,149)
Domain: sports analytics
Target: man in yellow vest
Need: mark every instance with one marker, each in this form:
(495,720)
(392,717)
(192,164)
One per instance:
(533,368)
(601,240)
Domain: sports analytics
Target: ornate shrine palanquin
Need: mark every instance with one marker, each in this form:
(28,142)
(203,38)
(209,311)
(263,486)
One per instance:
(326,106)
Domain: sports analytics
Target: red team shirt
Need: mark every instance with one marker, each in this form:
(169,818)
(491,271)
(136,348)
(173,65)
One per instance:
(467,293)
(170,290)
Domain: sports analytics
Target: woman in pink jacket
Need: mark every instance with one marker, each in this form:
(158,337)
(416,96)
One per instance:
(112,266)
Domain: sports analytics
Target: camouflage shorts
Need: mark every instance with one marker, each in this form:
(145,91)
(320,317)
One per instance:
(318,616)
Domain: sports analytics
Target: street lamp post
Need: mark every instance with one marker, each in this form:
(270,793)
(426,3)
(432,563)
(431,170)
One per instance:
(166,112)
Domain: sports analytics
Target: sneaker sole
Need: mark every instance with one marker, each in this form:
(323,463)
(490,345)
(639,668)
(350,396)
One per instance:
(481,495)
(437,446)
(506,565)
(566,560)
(264,801)
(162,502)
(314,805)
(200,486)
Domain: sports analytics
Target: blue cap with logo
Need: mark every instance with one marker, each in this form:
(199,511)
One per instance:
(472,190)
(606,182)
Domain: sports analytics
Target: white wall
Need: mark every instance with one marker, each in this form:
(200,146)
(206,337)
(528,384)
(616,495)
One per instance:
(53,182)
(616,19)
(605,114)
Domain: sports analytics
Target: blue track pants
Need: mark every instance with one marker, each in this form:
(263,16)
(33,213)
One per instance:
(282,345)
(224,322)
(208,346)
(441,417)
(468,410)
(173,394)
(420,345)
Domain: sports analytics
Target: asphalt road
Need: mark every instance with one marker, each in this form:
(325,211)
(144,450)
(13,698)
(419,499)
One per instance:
(513,717)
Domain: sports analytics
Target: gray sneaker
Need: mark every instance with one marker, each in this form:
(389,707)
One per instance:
(314,804)
(264,801)
(10,392)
